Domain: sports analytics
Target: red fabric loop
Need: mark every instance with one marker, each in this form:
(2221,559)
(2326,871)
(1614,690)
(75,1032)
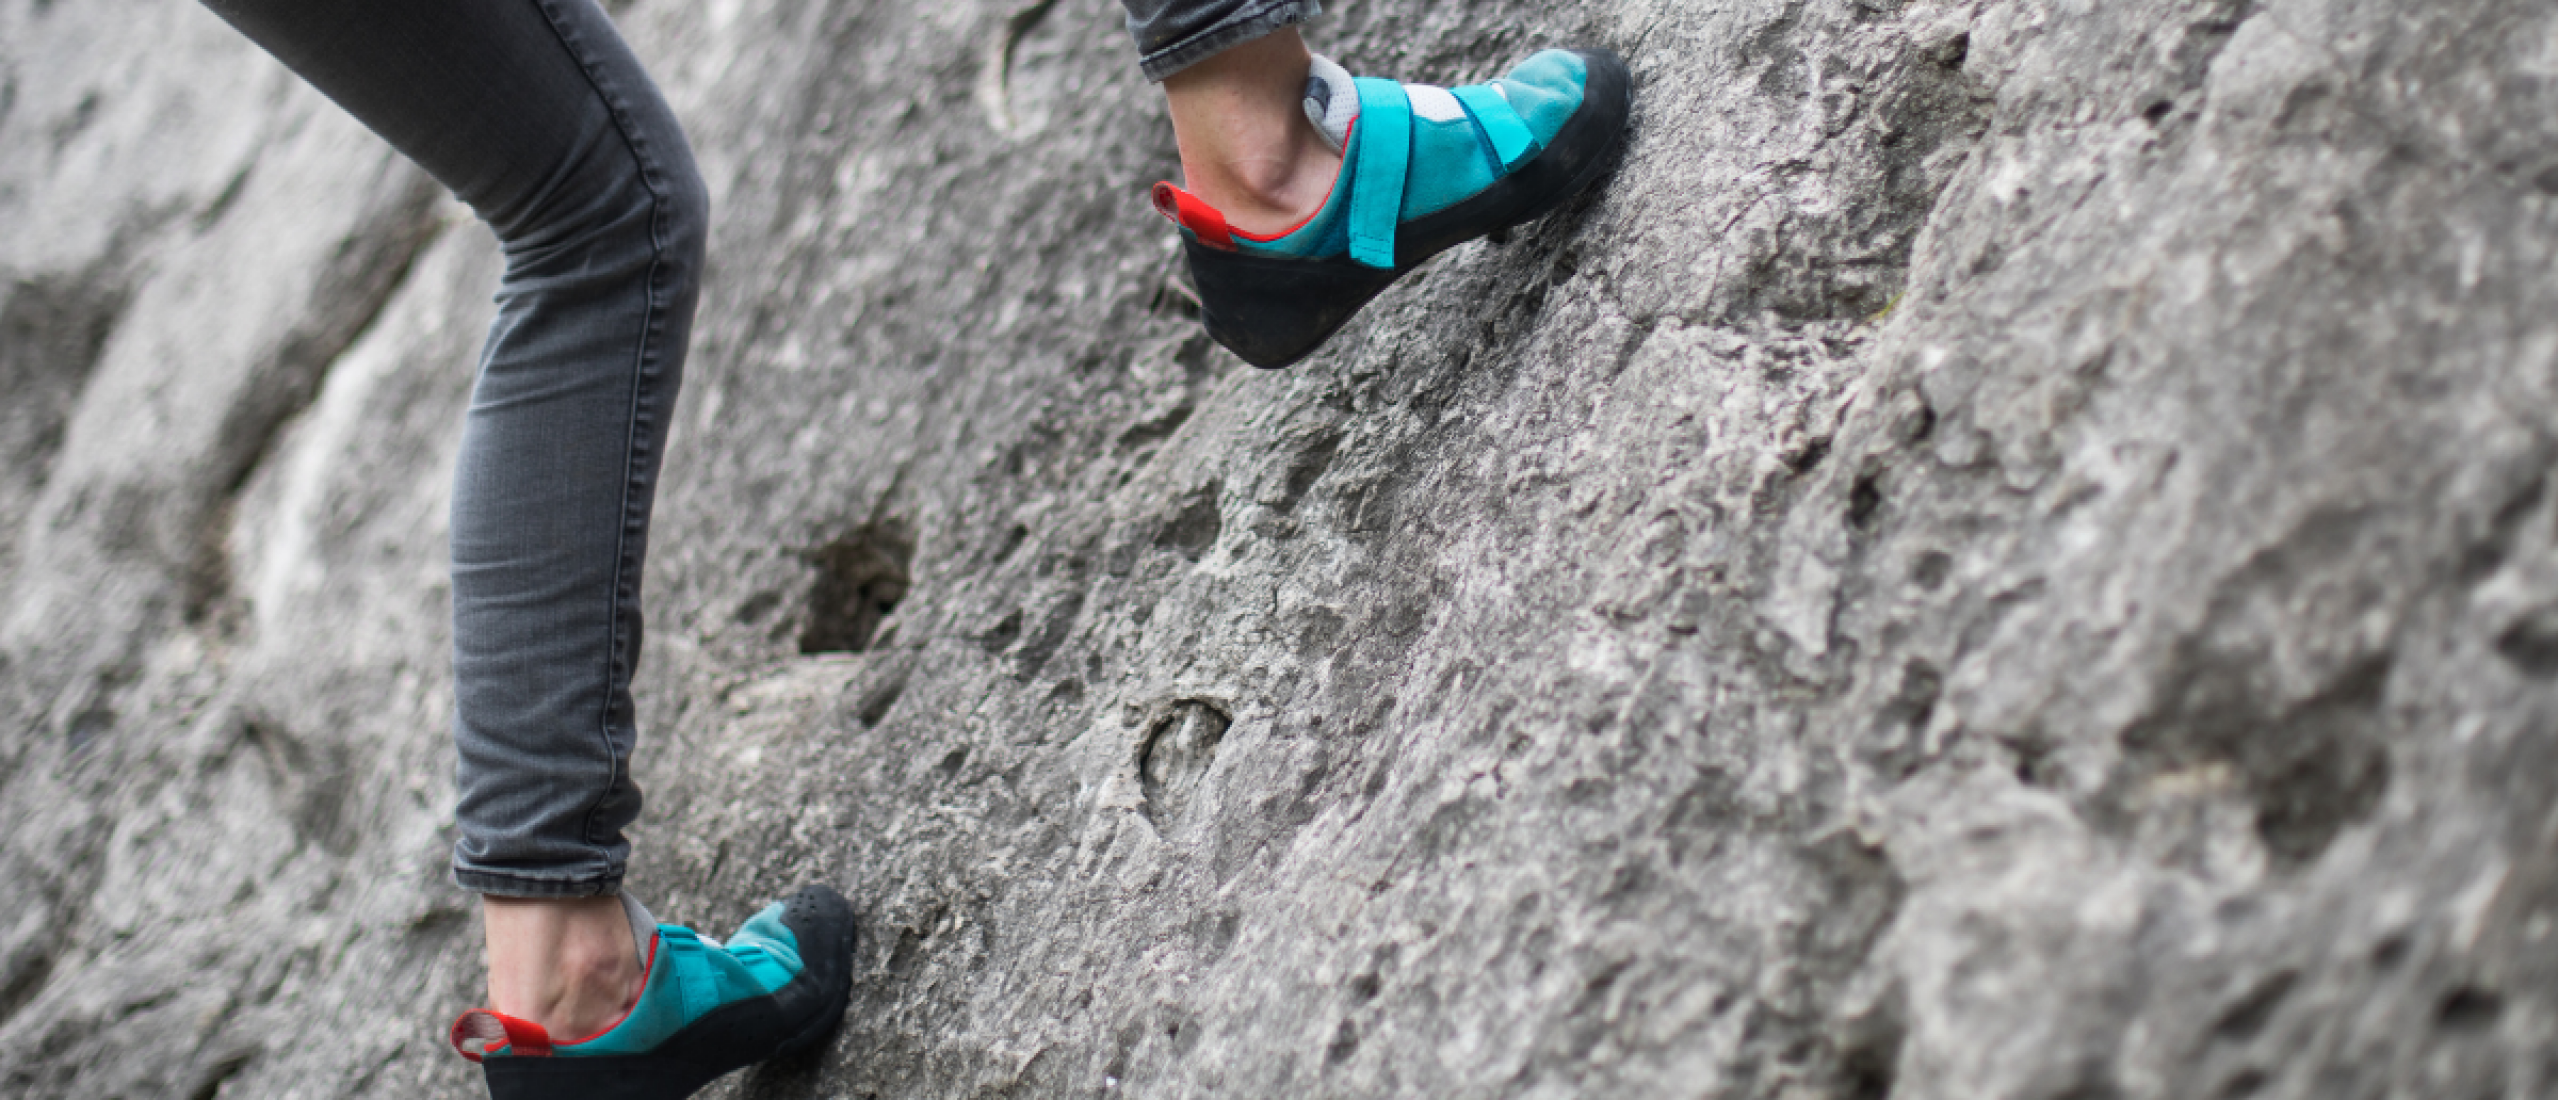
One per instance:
(1189,212)
(521,1038)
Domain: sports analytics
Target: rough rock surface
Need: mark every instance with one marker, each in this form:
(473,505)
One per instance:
(2009,553)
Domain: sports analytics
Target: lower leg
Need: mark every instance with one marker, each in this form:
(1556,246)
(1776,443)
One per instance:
(1246,145)
(568,964)
(603,218)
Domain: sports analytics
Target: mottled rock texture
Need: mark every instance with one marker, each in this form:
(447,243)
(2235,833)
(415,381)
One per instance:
(2008,553)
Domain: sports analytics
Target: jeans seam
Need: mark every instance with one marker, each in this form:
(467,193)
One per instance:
(650,330)
(516,884)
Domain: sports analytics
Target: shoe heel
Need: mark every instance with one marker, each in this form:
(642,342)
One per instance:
(1273,312)
(634,1077)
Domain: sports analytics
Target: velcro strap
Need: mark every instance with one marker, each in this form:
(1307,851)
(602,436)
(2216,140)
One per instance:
(696,981)
(1383,140)
(481,1032)
(1512,141)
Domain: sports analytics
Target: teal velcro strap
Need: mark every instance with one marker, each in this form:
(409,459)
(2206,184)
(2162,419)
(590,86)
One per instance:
(1384,158)
(1511,139)
(694,979)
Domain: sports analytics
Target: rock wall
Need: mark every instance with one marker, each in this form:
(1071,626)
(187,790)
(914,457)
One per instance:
(2008,553)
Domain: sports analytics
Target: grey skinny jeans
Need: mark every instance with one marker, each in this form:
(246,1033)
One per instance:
(537,115)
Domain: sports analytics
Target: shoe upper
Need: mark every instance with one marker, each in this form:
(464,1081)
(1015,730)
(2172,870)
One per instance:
(1408,151)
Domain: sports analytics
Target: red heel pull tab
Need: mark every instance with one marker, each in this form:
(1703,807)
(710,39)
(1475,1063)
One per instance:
(1194,214)
(480,1032)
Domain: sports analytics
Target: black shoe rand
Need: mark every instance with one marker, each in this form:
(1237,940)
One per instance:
(1273,310)
(790,1019)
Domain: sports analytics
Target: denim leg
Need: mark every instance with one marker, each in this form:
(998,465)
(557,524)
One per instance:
(537,115)
(1173,35)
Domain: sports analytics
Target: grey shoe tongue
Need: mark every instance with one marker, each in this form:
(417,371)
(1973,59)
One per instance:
(643,926)
(1332,101)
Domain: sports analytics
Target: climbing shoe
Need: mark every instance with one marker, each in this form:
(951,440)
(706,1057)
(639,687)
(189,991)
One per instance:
(1423,169)
(778,986)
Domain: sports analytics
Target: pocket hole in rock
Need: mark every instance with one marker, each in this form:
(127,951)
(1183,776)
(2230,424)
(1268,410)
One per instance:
(2470,1009)
(1179,746)
(862,575)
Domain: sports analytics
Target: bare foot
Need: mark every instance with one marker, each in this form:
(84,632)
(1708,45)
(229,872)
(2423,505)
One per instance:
(568,964)
(1246,146)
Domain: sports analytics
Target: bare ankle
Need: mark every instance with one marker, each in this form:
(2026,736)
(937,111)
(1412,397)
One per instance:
(1246,145)
(1269,192)
(568,964)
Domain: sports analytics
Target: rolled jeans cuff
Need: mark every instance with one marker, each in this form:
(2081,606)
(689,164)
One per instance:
(1247,23)
(507,885)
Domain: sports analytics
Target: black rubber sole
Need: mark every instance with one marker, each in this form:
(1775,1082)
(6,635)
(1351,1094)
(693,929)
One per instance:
(793,1018)
(1273,311)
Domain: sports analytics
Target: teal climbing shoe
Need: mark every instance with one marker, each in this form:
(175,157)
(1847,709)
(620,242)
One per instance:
(1423,169)
(778,986)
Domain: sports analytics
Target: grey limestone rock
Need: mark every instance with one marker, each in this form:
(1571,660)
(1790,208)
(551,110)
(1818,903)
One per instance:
(2007,553)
